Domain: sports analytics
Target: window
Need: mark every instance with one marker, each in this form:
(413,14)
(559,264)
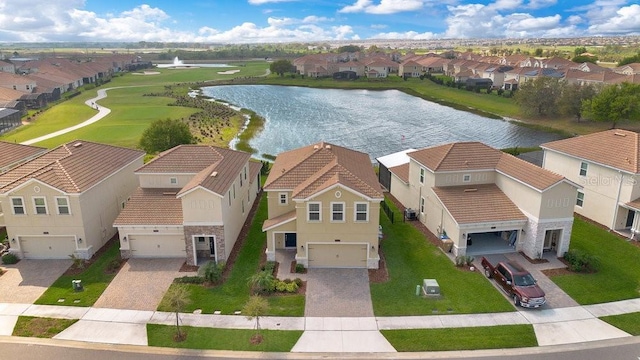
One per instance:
(200,239)
(40,205)
(421,176)
(583,168)
(313,211)
(337,211)
(243,206)
(240,180)
(229,197)
(580,199)
(283,199)
(466,178)
(62,204)
(173,181)
(362,212)
(245,173)
(421,205)
(18,206)
(234,191)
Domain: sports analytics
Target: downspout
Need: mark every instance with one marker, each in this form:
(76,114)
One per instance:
(615,208)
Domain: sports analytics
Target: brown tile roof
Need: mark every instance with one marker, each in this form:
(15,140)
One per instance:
(619,149)
(311,169)
(73,167)
(214,168)
(254,170)
(478,204)
(401,171)
(269,223)
(151,207)
(12,154)
(635,204)
(463,156)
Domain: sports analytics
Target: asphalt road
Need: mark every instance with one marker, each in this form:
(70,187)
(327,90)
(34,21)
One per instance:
(29,348)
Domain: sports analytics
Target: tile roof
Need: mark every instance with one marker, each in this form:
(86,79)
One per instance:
(478,204)
(311,169)
(11,154)
(213,168)
(151,207)
(470,156)
(401,171)
(73,167)
(269,223)
(619,149)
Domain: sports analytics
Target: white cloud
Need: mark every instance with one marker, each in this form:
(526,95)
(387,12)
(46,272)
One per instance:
(261,2)
(625,20)
(409,35)
(379,26)
(315,19)
(538,4)
(384,7)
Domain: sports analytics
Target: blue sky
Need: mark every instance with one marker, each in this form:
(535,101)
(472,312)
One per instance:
(255,21)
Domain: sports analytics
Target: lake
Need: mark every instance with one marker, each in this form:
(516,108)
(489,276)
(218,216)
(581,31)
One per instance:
(375,122)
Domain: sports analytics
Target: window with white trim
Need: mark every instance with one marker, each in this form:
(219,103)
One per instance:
(421,176)
(580,199)
(421,205)
(337,211)
(17,203)
(283,199)
(62,204)
(361,212)
(40,205)
(173,181)
(466,178)
(583,168)
(313,211)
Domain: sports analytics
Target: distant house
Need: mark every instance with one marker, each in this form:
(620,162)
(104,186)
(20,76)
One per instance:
(324,204)
(64,201)
(9,119)
(481,83)
(191,203)
(486,201)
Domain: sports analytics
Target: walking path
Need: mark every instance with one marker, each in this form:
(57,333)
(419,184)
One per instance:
(326,334)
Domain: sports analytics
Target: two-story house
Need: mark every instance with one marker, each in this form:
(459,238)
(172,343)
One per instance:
(324,204)
(607,166)
(191,203)
(485,200)
(64,201)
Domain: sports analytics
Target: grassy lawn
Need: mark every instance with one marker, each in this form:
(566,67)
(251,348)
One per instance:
(410,259)
(489,337)
(629,323)
(618,277)
(94,280)
(234,293)
(131,111)
(222,339)
(29,326)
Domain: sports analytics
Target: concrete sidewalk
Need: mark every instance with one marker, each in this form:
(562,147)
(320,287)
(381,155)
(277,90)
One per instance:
(326,334)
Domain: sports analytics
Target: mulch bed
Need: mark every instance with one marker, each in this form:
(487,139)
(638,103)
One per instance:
(188,268)
(534,261)
(293,268)
(381,274)
(72,271)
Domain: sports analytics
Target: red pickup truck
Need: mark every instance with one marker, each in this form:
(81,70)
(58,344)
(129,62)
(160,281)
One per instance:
(516,282)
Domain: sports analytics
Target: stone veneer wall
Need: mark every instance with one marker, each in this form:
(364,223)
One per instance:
(533,240)
(217,231)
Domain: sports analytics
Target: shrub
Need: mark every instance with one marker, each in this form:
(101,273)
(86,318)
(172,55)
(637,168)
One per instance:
(269,266)
(114,265)
(469,260)
(9,259)
(460,260)
(581,262)
(78,263)
(213,272)
(262,282)
(291,287)
(298,281)
(189,280)
(500,91)
(299,268)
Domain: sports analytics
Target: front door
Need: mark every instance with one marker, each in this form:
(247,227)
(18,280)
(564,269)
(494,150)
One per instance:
(290,240)
(630,215)
(551,239)
(212,246)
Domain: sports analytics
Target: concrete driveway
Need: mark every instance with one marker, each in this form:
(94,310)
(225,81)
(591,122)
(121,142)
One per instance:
(25,281)
(140,284)
(338,293)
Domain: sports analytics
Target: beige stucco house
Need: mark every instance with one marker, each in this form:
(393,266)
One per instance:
(486,201)
(607,166)
(191,203)
(64,201)
(324,204)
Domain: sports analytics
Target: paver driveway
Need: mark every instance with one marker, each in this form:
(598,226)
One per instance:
(140,284)
(25,281)
(338,293)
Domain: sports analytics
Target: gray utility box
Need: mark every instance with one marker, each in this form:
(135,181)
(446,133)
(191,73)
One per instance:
(430,287)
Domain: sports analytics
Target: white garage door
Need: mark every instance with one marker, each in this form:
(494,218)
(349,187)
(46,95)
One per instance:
(337,255)
(47,247)
(157,246)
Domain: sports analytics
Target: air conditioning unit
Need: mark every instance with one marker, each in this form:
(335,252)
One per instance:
(430,287)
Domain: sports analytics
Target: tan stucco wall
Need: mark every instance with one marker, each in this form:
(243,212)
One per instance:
(274,208)
(401,191)
(558,202)
(524,197)
(457,178)
(233,216)
(164,180)
(202,206)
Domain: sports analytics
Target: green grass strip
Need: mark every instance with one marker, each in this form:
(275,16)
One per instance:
(629,323)
(29,326)
(222,339)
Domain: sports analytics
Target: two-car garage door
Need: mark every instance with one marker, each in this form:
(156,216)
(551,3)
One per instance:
(342,255)
(47,247)
(157,246)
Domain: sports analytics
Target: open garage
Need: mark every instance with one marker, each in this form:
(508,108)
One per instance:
(157,246)
(47,247)
(341,255)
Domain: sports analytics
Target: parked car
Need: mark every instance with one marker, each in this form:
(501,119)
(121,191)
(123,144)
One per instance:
(516,282)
